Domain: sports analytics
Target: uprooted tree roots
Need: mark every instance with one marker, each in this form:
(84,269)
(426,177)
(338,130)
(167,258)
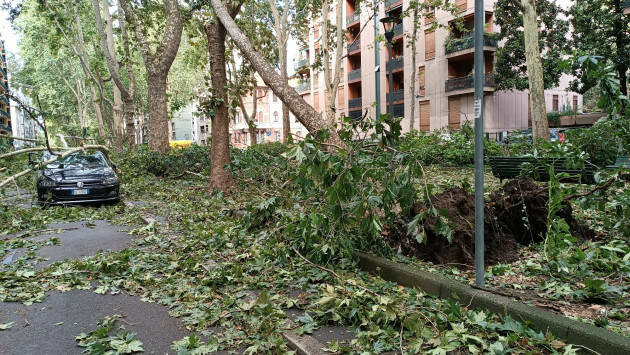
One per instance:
(516,214)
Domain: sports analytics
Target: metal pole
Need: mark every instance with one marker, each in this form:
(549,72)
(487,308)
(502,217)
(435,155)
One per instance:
(478,108)
(390,102)
(377,61)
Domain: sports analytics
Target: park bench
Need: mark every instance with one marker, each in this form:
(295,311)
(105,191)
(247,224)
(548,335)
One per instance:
(622,162)
(511,167)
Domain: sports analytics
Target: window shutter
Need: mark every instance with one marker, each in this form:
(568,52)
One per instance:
(454,113)
(421,81)
(425,116)
(429,45)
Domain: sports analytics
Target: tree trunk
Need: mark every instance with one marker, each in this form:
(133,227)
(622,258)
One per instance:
(332,79)
(302,110)
(158,122)
(98,110)
(158,63)
(540,126)
(128,117)
(250,118)
(220,177)
(620,38)
(282,33)
(412,81)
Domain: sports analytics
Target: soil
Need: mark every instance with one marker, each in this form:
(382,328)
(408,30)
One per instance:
(516,214)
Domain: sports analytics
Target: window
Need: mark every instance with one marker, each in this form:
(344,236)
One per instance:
(429,45)
(421,81)
(454,114)
(341,97)
(237,117)
(277,136)
(203,129)
(316,101)
(554,105)
(298,133)
(575,104)
(275,98)
(260,116)
(461,4)
(275,116)
(425,116)
(429,16)
(244,138)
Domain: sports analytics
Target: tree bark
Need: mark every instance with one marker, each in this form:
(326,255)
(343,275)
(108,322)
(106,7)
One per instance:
(332,79)
(412,82)
(98,110)
(158,63)
(620,39)
(540,126)
(220,177)
(282,35)
(302,110)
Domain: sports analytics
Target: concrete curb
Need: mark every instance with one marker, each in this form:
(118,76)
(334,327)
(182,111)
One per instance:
(302,344)
(574,332)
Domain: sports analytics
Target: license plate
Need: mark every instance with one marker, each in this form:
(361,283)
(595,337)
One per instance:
(81,192)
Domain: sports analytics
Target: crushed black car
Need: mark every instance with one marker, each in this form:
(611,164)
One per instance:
(80,177)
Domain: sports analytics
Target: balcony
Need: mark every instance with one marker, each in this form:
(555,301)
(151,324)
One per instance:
(4,86)
(468,42)
(395,64)
(355,115)
(5,99)
(8,128)
(352,19)
(301,63)
(398,95)
(392,3)
(398,110)
(398,30)
(354,103)
(303,86)
(354,46)
(467,84)
(354,75)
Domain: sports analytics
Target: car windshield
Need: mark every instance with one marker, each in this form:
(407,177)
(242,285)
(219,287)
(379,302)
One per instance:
(95,160)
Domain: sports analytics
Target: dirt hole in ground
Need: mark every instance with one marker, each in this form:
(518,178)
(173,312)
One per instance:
(516,214)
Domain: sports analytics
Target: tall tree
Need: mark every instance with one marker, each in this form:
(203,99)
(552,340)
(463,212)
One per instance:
(157,61)
(220,177)
(334,35)
(281,28)
(540,125)
(124,106)
(417,11)
(511,67)
(600,28)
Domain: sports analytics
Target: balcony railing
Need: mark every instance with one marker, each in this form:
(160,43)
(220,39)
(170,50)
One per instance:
(398,95)
(354,46)
(4,113)
(398,29)
(398,110)
(4,86)
(301,63)
(468,42)
(466,82)
(303,86)
(354,74)
(354,17)
(5,99)
(354,103)
(355,114)
(8,129)
(395,63)
(390,3)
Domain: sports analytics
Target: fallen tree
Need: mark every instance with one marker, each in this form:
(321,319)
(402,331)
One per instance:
(303,111)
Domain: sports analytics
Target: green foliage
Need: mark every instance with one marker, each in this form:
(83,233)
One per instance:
(176,162)
(446,148)
(100,340)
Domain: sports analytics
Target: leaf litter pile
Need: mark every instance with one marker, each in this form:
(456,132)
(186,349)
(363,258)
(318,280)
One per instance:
(515,215)
(233,288)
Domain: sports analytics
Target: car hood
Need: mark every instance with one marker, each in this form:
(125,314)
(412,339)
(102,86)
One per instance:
(75,173)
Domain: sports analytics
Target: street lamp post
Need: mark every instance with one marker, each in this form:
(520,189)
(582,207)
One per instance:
(388,23)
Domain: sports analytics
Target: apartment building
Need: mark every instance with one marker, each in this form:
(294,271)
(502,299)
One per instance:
(445,60)
(267,118)
(5,107)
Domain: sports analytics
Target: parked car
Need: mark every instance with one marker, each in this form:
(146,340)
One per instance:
(80,177)
(525,136)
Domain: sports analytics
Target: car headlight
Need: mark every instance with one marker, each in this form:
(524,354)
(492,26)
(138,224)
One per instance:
(110,180)
(47,182)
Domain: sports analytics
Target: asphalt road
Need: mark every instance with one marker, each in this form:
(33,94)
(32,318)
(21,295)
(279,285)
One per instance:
(38,329)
